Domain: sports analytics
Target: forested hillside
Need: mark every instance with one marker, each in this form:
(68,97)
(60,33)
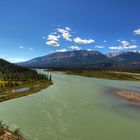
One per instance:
(9,71)
(17,81)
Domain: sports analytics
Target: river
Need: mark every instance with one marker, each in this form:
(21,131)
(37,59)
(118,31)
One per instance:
(75,108)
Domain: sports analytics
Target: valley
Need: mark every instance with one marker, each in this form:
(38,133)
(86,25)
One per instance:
(69,69)
(88,91)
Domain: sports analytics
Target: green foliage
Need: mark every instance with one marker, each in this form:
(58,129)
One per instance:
(10,71)
(14,75)
(107,74)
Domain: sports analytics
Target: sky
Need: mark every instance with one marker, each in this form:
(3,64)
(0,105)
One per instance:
(33,28)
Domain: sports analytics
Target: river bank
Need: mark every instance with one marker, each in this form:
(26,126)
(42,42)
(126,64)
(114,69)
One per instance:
(23,90)
(106,74)
(7,134)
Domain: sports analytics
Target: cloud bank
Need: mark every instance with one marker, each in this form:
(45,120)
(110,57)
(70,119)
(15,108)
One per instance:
(124,45)
(83,41)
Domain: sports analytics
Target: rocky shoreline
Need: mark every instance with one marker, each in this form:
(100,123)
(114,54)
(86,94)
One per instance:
(130,96)
(24,90)
(7,134)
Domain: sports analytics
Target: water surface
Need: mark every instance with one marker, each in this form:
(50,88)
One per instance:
(75,108)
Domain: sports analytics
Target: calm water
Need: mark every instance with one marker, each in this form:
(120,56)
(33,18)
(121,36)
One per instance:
(75,108)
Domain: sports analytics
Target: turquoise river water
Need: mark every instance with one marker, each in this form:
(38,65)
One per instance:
(76,108)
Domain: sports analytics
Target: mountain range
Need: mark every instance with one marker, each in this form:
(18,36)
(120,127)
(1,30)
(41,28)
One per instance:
(87,60)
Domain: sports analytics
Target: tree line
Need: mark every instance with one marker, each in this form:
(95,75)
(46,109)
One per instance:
(12,74)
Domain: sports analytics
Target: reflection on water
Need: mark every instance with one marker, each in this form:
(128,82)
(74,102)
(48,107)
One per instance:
(75,108)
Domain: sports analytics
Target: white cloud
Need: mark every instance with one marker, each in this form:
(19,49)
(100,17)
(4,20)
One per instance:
(124,43)
(21,47)
(130,47)
(89,49)
(104,41)
(53,43)
(15,60)
(67,28)
(31,49)
(44,37)
(83,41)
(137,32)
(61,50)
(53,40)
(65,33)
(75,48)
(53,37)
(121,47)
(116,48)
(99,47)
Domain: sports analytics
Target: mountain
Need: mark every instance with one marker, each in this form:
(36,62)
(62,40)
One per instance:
(113,54)
(87,59)
(127,60)
(73,59)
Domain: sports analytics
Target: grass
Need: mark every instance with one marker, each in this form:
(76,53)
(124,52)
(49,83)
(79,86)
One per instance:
(2,82)
(35,86)
(106,74)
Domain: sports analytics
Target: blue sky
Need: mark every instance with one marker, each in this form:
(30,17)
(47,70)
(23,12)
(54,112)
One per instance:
(32,28)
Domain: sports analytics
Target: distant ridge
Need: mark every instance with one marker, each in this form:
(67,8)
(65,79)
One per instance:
(87,59)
